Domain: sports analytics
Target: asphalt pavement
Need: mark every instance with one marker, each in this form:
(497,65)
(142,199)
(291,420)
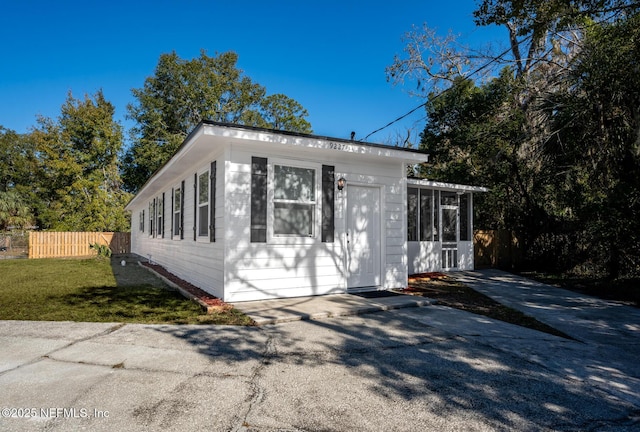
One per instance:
(420,368)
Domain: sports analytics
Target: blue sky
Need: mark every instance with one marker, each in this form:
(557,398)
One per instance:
(328,55)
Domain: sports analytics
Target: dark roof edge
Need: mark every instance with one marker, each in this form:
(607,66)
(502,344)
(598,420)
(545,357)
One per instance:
(303,135)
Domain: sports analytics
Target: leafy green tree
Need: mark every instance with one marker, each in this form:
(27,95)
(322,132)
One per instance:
(80,185)
(18,174)
(553,133)
(598,137)
(473,138)
(182,93)
(280,112)
(14,211)
(18,161)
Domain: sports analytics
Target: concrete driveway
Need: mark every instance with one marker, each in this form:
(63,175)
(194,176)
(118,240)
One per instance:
(426,368)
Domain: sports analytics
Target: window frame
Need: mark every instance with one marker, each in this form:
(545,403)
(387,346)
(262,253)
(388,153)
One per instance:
(418,227)
(159,216)
(413,214)
(152,213)
(177,210)
(198,205)
(316,204)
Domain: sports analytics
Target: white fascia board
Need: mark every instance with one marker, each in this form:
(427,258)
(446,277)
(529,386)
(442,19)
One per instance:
(317,143)
(451,187)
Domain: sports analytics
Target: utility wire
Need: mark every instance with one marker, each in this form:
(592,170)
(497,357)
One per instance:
(479,69)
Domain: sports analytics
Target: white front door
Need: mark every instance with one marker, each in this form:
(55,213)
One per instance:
(363,236)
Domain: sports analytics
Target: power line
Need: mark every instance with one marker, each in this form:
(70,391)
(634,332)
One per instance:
(479,69)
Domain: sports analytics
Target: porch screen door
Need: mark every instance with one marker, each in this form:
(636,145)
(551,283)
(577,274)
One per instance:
(449,218)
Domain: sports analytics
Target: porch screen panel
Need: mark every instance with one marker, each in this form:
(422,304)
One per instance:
(465,218)
(449,225)
(449,198)
(412,214)
(436,215)
(258,200)
(426,215)
(328,203)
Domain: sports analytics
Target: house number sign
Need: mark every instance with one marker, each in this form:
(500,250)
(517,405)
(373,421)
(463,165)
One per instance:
(340,146)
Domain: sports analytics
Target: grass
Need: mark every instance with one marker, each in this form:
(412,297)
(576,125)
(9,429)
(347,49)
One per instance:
(449,292)
(92,290)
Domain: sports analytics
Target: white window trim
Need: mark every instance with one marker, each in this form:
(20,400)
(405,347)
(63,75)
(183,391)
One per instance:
(159,216)
(175,235)
(204,238)
(317,215)
(152,211)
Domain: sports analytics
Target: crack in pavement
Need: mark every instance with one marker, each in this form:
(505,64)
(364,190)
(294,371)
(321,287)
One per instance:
(256,395)
(73,342)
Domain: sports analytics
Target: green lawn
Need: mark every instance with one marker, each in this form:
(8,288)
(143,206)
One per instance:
(97,291)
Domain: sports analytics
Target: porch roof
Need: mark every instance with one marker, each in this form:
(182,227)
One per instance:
(449,187)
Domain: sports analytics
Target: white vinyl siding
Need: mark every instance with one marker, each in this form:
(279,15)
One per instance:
(200,263)
(292,266)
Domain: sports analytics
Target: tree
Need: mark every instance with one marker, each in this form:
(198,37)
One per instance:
(182,93)
(18,172)
(14,211)
(80,185)
(280,112)
(597,135)
(554,133)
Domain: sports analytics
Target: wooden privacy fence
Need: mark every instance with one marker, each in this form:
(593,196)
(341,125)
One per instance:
(49,244)
(496,248)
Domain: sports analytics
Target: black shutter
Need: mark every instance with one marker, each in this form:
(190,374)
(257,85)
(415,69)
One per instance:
(172,212)
(154,220)
(258,200)
(195,207)
(328,203)
(182,210)
(164,220)
(212,203)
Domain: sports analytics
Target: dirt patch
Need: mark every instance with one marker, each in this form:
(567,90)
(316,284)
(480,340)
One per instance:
(449,292)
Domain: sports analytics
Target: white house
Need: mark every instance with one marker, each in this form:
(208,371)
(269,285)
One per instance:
(247,213)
